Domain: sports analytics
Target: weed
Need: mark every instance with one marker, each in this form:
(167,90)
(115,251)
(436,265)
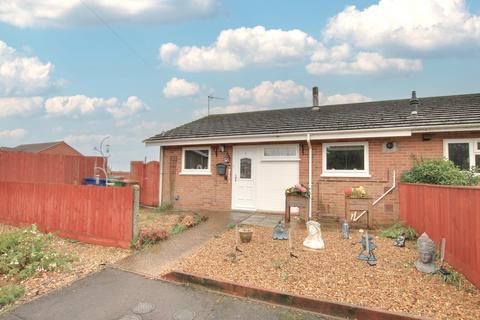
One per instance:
(9,294)
(453,278)
(277,264)
(231,226)
(178,228)
(397,229)
(25,252)
(284,276)
(165,207)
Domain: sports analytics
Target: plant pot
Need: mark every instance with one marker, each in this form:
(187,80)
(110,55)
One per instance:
(245,235)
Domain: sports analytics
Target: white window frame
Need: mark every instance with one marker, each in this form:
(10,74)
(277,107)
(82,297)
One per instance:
(197,171)
(281,158)
(346,173)
(472,148)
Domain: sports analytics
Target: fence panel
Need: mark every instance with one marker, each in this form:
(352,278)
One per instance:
(147,176)
(90,214)
(447,212)
(49,168)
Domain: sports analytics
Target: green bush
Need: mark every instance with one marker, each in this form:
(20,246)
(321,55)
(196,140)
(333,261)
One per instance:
(397,229)
(439,171)
(9,294)
(25,252)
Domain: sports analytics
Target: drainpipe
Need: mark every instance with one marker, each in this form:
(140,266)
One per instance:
(309,175)
(160,183)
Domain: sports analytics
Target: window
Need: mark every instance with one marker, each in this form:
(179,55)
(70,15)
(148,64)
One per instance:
(280,153)
(464,153)
(245,168)
(346,159)
(196,160)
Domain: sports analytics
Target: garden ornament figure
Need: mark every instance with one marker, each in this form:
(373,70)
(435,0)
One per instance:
(369,246)
(314,238)
(279,232)
(426,255)
(400,242)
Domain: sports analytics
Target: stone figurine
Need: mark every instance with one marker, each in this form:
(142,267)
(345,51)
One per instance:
(426,254)
(400,242)
(367,245)
(279,232)
(314,238)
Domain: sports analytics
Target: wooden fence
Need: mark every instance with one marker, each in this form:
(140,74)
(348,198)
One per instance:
(50,168)
(147,175)
(90,214)
(447,212)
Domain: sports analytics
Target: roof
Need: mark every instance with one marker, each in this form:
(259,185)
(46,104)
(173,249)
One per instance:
(432,111)
(36,147)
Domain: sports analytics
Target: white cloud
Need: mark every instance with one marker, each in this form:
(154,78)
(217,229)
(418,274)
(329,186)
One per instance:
(365,63)
(275,95)
(19,106)
(180,88)
(30,13)
(236,48)
(83,105)
(13,134)
(20,75)
(418,25)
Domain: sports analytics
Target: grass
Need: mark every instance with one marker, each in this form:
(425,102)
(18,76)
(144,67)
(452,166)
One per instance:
(397,229)
(10,293)
(165,207)
(178,228)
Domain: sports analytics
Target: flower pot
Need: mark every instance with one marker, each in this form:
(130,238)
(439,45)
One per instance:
(245,235)
(348,191)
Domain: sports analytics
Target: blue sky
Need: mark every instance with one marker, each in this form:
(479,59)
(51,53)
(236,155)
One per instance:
(149,66)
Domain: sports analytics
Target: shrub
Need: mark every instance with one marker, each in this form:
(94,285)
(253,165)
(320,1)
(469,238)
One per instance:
(25,252)
(397,229)
(188,221)
(149,237)
(439,171)
(178,228)
(9,294)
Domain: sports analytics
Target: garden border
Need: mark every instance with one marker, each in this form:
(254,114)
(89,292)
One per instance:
(326,307)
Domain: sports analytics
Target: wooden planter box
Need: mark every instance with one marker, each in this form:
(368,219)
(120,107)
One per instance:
(293,200)
(359,205)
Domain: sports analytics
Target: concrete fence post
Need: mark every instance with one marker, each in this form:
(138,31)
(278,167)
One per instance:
(135,210)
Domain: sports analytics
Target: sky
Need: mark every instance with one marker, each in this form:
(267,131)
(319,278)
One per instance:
(80,71)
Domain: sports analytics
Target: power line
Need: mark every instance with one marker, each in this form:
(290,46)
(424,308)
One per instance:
(122,40)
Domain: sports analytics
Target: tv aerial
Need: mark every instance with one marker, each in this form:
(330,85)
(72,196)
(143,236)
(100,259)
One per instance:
(210,97)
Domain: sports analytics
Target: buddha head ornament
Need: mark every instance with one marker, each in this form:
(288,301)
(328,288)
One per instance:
(426,254)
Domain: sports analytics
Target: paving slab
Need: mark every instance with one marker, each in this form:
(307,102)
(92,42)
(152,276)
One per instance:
(112,294)
(155,260)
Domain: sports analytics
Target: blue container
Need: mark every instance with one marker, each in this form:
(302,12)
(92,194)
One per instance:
(93,182)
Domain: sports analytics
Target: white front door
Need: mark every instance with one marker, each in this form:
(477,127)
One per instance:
(244,178)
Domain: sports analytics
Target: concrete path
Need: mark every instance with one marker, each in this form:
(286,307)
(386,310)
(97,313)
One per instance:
(153,261)
(263,220)
(113,294)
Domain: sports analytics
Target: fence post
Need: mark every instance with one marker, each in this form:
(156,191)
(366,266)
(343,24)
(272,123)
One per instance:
(135,210)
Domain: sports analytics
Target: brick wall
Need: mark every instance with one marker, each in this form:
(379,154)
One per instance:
(213,192)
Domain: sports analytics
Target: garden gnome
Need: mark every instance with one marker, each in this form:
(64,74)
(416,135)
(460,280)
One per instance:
(426,255)
(400,242)
(314,238)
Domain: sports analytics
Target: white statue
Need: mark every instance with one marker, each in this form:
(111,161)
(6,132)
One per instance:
(314,238)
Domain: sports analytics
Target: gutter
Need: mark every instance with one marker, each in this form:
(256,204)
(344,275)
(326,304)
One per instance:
(309,175)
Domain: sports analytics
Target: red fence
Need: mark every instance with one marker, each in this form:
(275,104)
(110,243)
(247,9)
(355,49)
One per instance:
(50,168)
(86,213)
(147,176)
(447,212)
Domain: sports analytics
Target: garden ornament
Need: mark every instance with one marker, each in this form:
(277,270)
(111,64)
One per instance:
(314,238)
(400,242)
(279,232)
(369,246)
(345,230)
(426,255)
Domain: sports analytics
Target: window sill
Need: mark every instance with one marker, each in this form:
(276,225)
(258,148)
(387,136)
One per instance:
(345,175)
(193,173)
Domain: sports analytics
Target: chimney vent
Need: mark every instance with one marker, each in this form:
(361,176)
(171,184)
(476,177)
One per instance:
(315,96)
(414,103)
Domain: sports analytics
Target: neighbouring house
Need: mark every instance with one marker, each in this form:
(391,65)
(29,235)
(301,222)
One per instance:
(56,147)
(328,148)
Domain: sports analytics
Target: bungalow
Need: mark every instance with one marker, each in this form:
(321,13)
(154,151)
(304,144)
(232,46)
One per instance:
(56,147)
(245,161)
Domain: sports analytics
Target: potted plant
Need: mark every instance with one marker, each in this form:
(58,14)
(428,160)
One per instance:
(245,233)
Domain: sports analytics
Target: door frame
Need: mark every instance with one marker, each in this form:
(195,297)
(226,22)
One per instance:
(235,162)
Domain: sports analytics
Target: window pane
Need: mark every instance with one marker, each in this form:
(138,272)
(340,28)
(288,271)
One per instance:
(477,160)
(245,168)
(459,154)
(280,152)
(196,159)
(345,158)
